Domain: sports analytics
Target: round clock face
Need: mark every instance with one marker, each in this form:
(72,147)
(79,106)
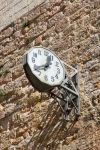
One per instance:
(46,66)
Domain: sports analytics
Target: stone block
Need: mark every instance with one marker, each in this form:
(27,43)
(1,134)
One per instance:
(18,7)
(15,9)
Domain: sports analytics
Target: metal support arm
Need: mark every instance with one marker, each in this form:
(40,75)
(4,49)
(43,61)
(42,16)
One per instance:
(67,95)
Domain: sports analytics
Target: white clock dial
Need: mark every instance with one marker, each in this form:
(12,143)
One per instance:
(46,66)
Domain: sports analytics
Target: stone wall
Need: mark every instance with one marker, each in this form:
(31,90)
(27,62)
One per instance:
(72,30)
(11,10)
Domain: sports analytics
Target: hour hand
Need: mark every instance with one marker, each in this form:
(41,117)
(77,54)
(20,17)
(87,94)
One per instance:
(35,67)
(44,66)
(38,67)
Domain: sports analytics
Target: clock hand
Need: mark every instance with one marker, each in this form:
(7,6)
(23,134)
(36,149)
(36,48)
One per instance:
(48,62)
(45,66)
(49,58)
(36,67)
(42,67)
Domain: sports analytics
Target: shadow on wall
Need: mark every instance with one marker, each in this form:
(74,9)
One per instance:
(52,130)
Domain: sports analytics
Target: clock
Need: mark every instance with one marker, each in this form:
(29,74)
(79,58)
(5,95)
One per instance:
(43,68)
(47,73)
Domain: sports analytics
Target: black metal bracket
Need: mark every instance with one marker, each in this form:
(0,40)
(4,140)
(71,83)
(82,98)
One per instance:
(67,94)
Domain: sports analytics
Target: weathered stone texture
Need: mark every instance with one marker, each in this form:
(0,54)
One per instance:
(72,30)
(10,10)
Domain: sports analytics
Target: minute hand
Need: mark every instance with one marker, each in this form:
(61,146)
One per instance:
(48,61)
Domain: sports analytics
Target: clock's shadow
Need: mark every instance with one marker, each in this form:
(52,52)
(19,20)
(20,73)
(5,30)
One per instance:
(52,130)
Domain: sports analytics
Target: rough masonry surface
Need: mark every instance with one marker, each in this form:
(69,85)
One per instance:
(72,30)
(10,10)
